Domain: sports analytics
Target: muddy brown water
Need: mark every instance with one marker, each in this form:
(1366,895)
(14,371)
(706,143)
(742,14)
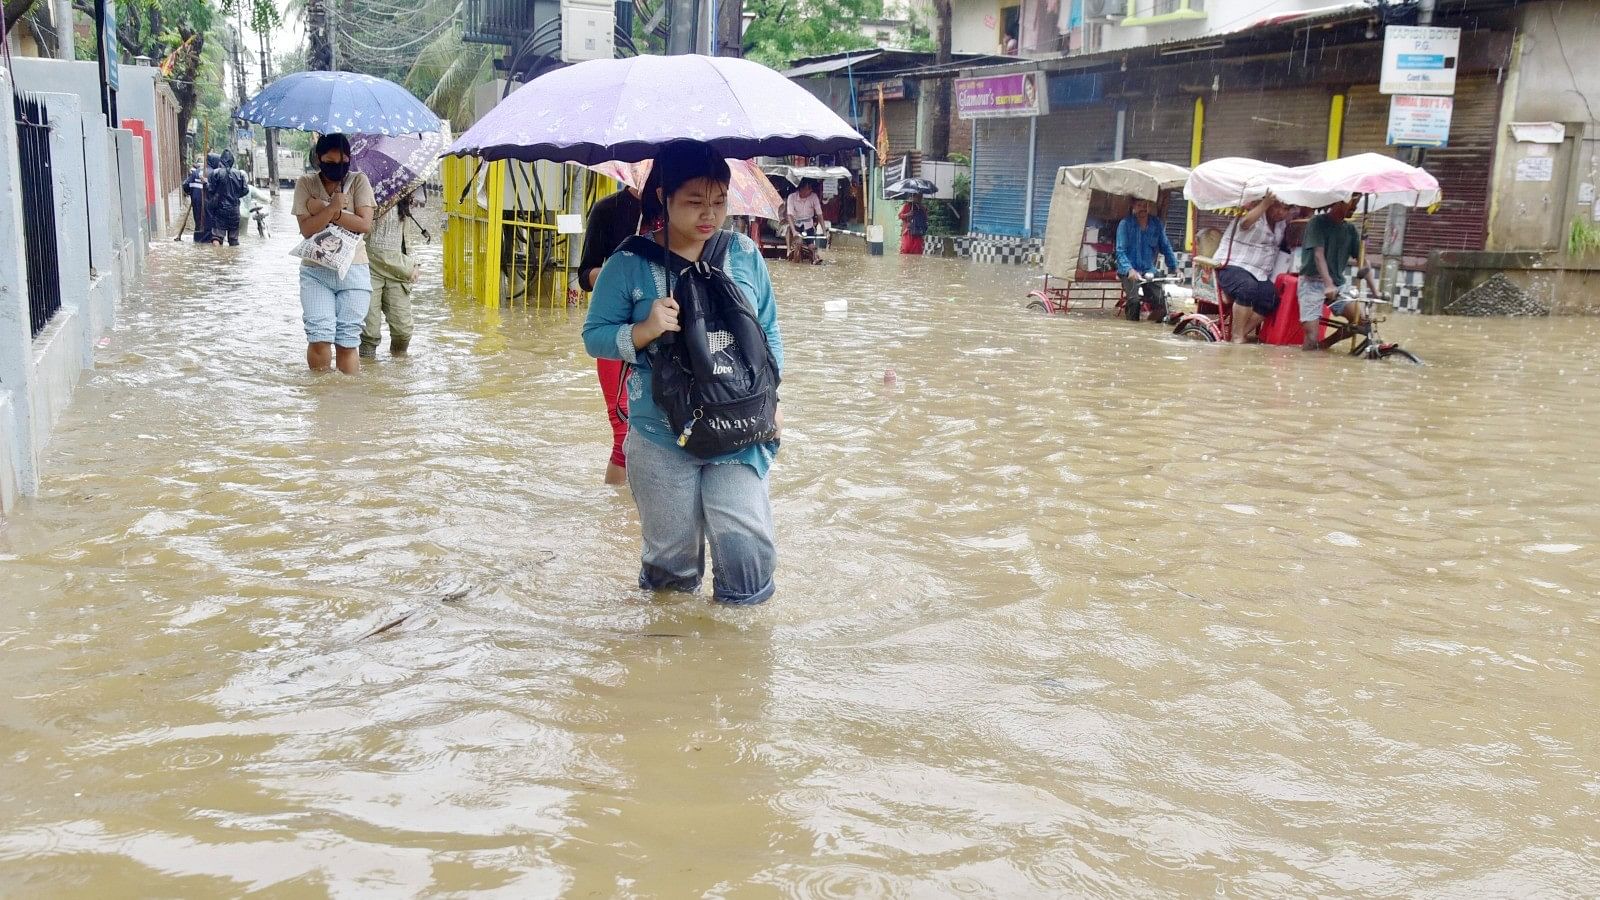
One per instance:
(1070,608)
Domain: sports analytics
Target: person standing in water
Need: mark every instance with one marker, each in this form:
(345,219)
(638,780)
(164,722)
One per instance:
(334,308)
(393,273)
(612,221)
(914,225)
(685,501)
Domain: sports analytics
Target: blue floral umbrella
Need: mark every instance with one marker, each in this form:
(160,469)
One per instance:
(339,102)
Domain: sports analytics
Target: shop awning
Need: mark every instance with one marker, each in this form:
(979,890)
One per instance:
(823,67)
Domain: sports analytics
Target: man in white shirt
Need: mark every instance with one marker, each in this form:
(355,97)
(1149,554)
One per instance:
(1247,256)
(804,211)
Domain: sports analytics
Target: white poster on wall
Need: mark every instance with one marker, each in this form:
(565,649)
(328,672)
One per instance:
(1536,168)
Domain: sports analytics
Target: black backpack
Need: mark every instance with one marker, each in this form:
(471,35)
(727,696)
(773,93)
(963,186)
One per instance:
(716,379)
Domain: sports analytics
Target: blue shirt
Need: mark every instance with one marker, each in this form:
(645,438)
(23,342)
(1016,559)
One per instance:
(1137,247)
(628,286)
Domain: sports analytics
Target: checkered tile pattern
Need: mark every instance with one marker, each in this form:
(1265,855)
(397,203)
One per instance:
(1408,292)
(1007,250)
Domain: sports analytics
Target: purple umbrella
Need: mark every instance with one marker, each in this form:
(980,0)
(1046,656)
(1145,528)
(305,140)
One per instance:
(625,109)
(396,164)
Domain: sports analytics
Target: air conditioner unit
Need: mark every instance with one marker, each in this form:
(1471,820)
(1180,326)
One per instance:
(588,29)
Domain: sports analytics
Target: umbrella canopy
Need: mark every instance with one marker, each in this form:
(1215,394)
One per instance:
(339,102)
(626,109)
(396,164)
(749,191)
(1074,190)
(1234,182)
(1384,180)
(905,187)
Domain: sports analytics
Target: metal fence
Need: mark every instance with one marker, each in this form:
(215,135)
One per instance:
(38,210)
(502,242)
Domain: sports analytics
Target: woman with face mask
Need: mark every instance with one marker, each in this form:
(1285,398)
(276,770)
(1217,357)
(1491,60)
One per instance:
(334,308)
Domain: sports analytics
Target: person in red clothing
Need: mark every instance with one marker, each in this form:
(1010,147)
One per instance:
(913,225)
(611,221)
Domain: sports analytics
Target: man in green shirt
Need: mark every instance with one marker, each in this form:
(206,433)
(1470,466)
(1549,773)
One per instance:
(1330,243)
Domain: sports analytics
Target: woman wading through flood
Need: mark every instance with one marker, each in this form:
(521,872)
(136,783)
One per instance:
(334,308)
(689,493)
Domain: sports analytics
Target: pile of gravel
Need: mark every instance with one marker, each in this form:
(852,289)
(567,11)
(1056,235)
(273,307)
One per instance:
(1497,296)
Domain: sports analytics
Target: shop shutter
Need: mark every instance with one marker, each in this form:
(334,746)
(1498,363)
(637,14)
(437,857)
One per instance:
(1000,177)
(902,115)
(1079,134)
(1288,127)
(1464,168)
(1161,130)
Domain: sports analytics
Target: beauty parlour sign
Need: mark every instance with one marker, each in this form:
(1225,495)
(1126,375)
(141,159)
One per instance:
(1002,96)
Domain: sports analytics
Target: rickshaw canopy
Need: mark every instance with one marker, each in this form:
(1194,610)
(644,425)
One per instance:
(1075,187)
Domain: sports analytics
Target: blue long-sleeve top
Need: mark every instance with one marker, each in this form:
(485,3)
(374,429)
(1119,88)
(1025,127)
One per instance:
(1137,247)
(628,286)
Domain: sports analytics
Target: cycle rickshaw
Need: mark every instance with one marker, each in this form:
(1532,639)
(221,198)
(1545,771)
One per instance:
(1087,204)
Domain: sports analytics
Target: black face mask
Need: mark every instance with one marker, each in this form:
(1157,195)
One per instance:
(335,171)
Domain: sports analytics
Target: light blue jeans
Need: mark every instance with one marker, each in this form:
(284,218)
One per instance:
(684,502)
(332,308)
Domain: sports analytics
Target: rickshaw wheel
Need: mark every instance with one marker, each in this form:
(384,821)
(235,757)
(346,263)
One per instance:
(1195,331)
(1037,306)
(1396,352)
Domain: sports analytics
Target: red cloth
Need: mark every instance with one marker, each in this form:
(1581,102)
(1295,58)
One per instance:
(610,371)
(911,244)
(1283,326)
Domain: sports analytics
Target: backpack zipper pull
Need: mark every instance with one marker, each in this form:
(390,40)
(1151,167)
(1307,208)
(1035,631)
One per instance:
(688,429)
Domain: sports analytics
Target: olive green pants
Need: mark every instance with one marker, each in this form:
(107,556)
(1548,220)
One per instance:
(391,300)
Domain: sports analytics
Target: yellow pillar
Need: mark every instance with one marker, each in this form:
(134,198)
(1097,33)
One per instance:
(1196,138)
(1336,125)
(489,276)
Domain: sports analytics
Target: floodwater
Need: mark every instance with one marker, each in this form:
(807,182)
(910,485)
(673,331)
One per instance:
(1069,608)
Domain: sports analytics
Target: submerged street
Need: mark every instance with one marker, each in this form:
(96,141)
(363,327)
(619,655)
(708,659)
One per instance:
(1065,606)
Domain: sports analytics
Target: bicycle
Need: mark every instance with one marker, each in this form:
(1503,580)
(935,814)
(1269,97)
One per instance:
(1364,338)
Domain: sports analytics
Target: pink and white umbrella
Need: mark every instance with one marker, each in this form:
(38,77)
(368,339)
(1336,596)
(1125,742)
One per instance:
(749,193)
(1384,180)
(1233,182)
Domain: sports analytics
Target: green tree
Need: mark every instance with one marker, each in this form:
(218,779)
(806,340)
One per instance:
(786,30)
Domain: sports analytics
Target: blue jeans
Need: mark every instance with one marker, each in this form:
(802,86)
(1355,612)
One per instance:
(334,309)
(684,502)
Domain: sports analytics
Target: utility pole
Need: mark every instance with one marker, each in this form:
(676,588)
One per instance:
(1394,232)
(272,133)
(683,21)
(66,39)
(333,35)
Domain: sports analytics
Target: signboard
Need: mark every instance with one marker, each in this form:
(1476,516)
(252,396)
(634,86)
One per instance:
(1419,121)
(1002,96)
(108,45)
(1419,59)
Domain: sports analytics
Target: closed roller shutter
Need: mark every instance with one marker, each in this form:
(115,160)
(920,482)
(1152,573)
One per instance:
(1288,127)
(1464,168)
(1161,130)
(1000,177)
(902,115)
(1081,134)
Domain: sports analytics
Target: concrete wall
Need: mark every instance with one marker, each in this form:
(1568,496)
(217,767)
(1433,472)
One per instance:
(976,26)
(95,170)
(1553,69)
(136,99)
